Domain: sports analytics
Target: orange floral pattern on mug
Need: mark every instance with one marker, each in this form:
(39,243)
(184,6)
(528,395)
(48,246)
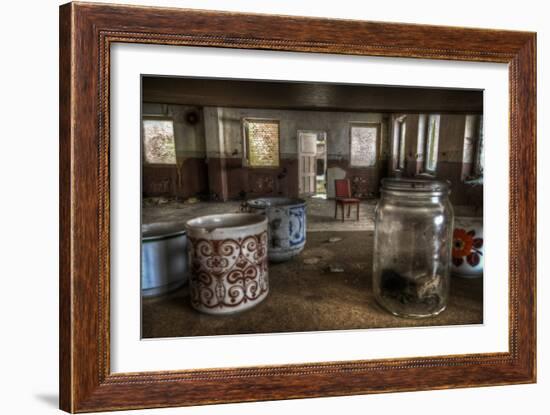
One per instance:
(466,246)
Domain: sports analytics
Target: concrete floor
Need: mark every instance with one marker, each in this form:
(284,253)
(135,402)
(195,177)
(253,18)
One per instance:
(308,297)
(320,213)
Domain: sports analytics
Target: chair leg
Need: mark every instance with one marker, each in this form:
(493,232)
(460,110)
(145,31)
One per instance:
(358,211)
(335,209)
(349,210)
(343,210)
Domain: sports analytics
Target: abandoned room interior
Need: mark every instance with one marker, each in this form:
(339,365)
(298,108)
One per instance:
(211,145)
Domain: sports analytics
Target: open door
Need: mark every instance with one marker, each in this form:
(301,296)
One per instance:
(321,168)
(307,153)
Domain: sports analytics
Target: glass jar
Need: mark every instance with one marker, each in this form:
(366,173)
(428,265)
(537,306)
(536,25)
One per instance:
(412,247)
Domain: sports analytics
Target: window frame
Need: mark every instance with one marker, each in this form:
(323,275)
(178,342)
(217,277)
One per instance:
(427,143)
(474,174)
(399,142)
(246,146)
(152,117)
(478,162)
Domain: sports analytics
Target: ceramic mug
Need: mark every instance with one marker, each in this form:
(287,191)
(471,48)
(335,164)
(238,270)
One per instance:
(229,266)
(468,247)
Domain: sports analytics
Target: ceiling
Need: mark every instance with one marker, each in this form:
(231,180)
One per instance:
(308,95)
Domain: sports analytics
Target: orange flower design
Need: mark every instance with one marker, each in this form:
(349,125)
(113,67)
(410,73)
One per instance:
(462,243)
(465,244)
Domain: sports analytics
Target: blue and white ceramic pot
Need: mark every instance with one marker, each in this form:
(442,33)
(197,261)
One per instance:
(287,225)
(468,247)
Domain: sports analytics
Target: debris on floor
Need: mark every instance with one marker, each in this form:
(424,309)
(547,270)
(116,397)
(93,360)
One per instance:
(156,201)
(320,214)
(192,200)
(333,268)
(311,261)
(334,239)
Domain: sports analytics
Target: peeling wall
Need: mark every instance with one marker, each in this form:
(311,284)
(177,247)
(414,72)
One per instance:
(211,153)
(189,177)
(225,150)
(336,124)
(189,138)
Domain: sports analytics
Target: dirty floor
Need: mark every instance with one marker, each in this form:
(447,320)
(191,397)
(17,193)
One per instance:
(320,213)
(307,296)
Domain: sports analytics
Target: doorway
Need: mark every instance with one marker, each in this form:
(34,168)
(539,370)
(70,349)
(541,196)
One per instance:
(312,163)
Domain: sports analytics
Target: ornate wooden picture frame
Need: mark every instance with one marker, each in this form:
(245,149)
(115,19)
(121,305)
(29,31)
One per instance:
(87,32)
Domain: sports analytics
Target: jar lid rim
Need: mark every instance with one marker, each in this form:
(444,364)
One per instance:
(415,184)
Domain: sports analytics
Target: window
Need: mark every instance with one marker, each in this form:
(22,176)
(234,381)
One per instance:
(364,143)
(262,142)
(428,142)
(158,141)
(399,148)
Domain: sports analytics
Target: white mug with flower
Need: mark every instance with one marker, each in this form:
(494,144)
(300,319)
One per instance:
(468,248)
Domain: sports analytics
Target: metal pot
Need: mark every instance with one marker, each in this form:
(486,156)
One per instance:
(287,225)
(164,258)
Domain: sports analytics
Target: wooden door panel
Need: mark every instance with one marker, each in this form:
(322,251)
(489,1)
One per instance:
(307,146)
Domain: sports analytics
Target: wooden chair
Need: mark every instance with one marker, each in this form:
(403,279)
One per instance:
(343,198)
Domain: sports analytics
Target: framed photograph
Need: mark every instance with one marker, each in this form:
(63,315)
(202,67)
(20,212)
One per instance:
(260,207)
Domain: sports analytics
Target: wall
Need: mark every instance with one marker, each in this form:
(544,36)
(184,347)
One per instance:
(224,143)
(189,177)
(210,154)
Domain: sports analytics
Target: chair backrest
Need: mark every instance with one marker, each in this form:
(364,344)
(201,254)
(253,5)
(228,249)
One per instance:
(342,188)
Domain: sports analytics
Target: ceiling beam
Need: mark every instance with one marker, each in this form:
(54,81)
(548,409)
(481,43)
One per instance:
(308,95)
